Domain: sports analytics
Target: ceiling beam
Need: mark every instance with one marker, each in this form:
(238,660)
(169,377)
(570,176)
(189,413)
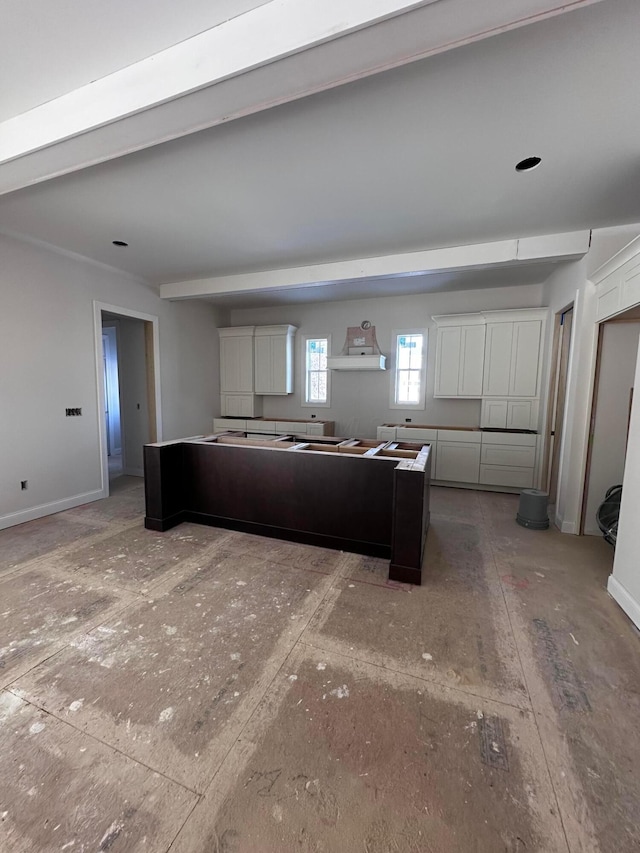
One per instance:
(554,247)
(279,52)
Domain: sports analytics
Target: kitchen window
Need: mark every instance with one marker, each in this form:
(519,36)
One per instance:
(410,369)
(317,379)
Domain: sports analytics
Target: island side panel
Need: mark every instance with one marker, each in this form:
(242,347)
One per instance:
(332,500)
(411,516)
(163,485)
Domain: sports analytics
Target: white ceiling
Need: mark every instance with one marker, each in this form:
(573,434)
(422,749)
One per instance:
(78,41)
(419,157)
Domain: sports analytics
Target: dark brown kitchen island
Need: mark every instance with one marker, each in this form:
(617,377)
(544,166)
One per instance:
(354,495)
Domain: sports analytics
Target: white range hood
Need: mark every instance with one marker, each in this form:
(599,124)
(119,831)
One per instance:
(360,351)
(356,362)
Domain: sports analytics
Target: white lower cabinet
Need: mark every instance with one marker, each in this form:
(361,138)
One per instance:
(508,459)
(458,462)
(510,455)
(503,475)
(226,424)
(313,428)
(386,433)
(264,428)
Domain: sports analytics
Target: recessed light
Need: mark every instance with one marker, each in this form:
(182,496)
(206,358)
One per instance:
(528,164)
(119,243)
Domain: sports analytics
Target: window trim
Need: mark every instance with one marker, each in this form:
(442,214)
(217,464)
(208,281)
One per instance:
(303,372)
(421,404)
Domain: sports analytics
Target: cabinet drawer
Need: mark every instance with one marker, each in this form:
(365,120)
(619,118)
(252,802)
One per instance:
(518,438)
(291,426)
(224,424)
(415,434)
(463,435)
(502,475)
(509,455)
(262,426)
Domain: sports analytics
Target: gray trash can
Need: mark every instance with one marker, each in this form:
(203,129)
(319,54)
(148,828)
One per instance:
(532,511)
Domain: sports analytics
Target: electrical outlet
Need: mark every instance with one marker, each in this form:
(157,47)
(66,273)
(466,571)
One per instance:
(73,413)
(24,485)
(407,420)
(313,416)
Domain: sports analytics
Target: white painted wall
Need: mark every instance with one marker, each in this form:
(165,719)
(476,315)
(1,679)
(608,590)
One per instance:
(360,400)
(609,444)
(47,358)
(134,408)
(624,583)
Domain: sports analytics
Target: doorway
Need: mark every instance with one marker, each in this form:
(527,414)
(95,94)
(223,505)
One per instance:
(127,361)
(610,413)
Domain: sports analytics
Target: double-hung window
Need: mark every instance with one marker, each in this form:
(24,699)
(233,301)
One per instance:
(316,375)
(410,348)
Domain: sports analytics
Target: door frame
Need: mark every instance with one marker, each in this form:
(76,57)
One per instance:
(152,353)
(555,446)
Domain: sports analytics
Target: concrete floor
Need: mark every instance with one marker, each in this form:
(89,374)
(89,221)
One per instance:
(204,691)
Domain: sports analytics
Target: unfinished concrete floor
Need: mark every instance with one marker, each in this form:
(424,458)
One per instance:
(206,691)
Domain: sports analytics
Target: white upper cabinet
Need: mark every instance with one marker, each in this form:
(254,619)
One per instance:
(512,358)
(236,360)
(459,357)
(490,354)
(274,359)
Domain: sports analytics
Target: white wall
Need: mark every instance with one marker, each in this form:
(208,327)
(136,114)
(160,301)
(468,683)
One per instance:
(47,358)
(624,583)
(360,400)
(609,443)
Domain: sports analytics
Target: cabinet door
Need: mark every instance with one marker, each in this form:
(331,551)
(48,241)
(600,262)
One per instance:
(385,433)
(497,359)
(447,361)
(236,364)
(525,354)
(273,364)
(458,462)
(263,365)
(522,414)
(494,414)
(471,362)
(279,365)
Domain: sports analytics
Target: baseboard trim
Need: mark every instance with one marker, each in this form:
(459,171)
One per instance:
(40,511)
(624,599)
(568,527)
